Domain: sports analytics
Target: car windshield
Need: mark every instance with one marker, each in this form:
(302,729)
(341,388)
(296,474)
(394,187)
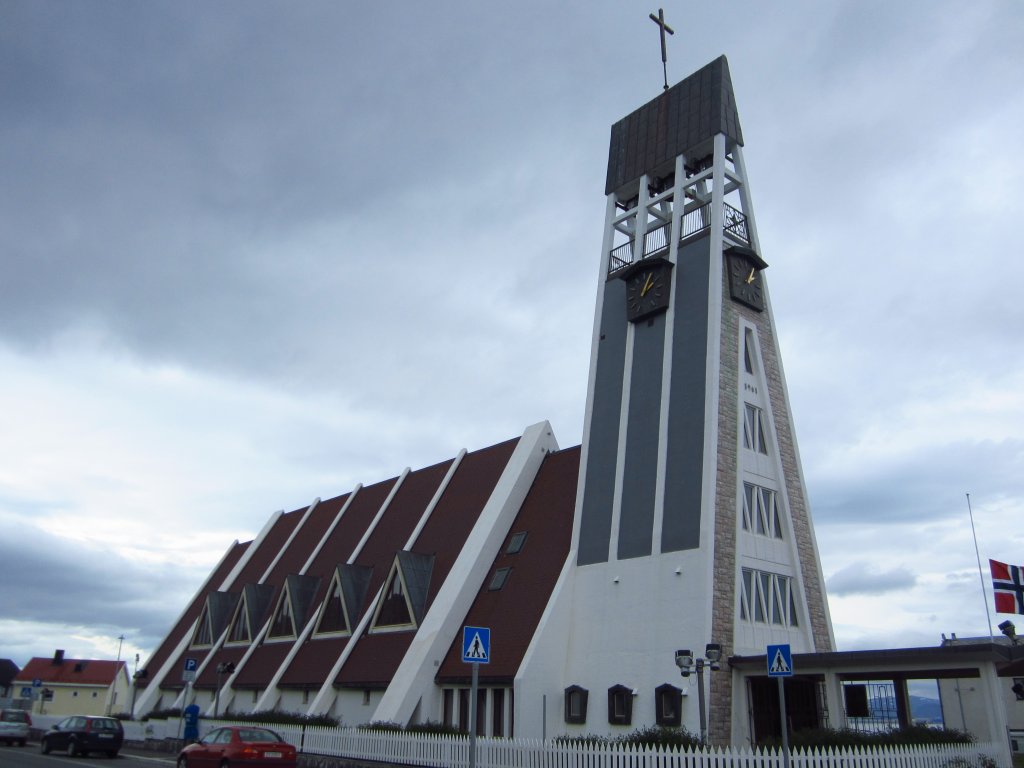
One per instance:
(258,735)
(104,724)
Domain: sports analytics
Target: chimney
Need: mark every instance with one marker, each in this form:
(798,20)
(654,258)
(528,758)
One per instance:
(58,656)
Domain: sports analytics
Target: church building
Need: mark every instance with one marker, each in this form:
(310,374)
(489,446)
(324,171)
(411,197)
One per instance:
(678,535)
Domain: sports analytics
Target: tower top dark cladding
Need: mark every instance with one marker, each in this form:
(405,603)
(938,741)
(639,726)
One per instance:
(681,121)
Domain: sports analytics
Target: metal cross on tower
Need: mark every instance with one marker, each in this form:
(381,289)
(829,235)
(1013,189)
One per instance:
(663,28)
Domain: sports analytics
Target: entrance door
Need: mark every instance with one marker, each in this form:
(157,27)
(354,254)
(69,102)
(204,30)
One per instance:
(803,706)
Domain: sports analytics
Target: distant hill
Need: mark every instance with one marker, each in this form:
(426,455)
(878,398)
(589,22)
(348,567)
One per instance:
(921,708)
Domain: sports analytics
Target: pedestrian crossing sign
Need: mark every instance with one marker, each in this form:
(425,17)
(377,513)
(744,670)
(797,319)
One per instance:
(476,645)
(780,661)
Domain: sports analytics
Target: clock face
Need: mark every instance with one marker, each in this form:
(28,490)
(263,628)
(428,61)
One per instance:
(745,284)
(647,293)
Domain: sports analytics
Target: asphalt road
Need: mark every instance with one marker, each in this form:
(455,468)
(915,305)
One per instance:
(30,757)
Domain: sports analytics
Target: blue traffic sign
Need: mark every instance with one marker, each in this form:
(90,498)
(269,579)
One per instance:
(476,645)
(780,661)
(191,665)
(26,692)
(37,683)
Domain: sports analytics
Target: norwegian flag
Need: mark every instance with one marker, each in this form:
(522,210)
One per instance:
(1007,586)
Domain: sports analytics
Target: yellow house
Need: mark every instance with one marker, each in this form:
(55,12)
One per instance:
(61,686)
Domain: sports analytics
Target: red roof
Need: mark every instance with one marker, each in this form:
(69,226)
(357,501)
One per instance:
(163,652)
(376,656)
(513,612)
(70,671)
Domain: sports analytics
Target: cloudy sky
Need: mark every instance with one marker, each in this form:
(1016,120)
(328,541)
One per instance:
(254,253)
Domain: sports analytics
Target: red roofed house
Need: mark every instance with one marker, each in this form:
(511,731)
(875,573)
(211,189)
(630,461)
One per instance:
(79,686)
(681,521)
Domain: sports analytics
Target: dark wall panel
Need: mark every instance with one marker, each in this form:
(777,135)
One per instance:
(681,524)
(636,520)
(599,488)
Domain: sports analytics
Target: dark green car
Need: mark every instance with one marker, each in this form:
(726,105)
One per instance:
(82,734)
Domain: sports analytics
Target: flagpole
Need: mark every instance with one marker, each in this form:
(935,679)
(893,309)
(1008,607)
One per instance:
(981,578)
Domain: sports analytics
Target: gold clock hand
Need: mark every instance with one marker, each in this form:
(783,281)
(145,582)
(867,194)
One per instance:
(647,286)
(752,276)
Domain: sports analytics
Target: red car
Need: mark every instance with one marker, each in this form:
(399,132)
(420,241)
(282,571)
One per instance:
(238,746)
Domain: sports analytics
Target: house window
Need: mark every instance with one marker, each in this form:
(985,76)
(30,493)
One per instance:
(668,705)
(753,429)
(515,544)
(366,697)
(620,705)
(499,579)
(74,694)
(94,694)
(761,511)
(576,705)
(767,598)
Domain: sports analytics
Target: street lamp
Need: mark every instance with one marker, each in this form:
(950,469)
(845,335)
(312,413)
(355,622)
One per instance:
(224,668)
(687,663)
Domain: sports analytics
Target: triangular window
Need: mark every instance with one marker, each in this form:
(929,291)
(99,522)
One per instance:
(240,631)
(204,629)
(404,597)
(217,612)
(344,602)
(283,625)
(333,619)
(394,609)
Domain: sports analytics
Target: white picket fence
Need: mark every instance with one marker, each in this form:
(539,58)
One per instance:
(417,749)
(453,752)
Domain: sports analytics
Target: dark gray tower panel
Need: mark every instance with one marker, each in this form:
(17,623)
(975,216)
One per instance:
(680,527)
(640,479)
(603,445)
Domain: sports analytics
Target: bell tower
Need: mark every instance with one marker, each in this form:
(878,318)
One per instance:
(691,523)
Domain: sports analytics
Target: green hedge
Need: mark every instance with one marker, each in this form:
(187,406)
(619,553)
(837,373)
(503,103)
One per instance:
(917,734)
(652,736)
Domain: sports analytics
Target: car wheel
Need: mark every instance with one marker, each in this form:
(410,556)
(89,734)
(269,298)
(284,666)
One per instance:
(111,753)
(44,746)
(22,743)
(182,762)
(72,749)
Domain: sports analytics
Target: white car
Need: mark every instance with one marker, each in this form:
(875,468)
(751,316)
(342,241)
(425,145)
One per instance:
(14,726)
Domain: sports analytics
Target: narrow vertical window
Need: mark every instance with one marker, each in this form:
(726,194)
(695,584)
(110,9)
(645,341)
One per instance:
(748,350)
(753,429)
(448,707)
(498,712)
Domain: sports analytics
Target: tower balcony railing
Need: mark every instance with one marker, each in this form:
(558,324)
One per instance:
(734,224)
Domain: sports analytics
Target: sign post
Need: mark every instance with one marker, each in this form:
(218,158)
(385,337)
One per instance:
(188,676)
(476,650)
(780,666)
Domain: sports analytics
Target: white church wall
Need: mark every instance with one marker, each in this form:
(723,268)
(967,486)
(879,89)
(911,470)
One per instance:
(628,619)
(539,682)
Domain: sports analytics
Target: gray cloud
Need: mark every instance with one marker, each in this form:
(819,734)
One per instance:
(862,578)
(397,216)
